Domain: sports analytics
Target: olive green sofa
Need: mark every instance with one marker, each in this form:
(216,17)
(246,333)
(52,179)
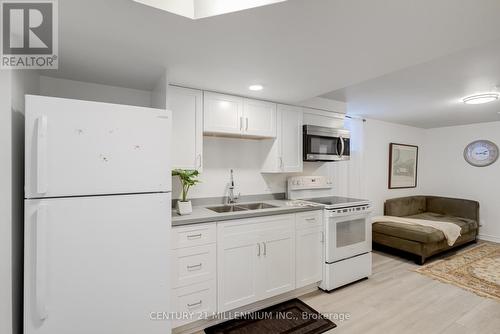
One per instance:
(425,241)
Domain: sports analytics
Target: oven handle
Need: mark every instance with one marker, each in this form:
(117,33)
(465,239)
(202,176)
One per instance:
(348,215)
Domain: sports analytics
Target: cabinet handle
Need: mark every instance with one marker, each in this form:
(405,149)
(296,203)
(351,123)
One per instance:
(322,237)
(281,162)
(265,248)
(311,219)
(194,267)
(194,304)
(258,245)
(246,126)
(194,236)
(241,123)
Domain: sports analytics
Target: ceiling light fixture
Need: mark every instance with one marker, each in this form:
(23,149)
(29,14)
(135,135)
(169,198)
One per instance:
(198,9)
(256,88)
(481,98)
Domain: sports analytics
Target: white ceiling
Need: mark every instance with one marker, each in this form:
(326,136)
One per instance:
(430,94)
(297,49)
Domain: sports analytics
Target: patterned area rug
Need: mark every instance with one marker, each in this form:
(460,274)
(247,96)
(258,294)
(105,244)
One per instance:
(476,270)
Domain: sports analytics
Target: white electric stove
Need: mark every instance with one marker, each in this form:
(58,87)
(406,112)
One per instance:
(348,242)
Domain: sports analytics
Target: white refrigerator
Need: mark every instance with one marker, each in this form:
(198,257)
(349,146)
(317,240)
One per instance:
(97,217)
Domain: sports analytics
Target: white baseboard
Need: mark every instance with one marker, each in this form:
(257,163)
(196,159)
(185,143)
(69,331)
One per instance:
(491,238)
(200,325)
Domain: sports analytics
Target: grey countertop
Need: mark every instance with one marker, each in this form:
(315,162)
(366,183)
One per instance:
(201,214)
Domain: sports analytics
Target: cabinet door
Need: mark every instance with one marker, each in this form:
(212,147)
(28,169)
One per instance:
(309,244)
(291,138)
(271,150)
(222,114)
(187,127)
(277,263)
(259,118)
(237,272)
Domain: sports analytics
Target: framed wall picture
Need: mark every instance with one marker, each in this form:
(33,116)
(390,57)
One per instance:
(403,162)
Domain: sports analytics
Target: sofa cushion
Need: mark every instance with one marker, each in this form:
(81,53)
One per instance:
(405,206)
(467,225)
(424,234)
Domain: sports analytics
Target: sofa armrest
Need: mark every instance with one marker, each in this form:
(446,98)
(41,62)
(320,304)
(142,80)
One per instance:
(454,207)
(405,206)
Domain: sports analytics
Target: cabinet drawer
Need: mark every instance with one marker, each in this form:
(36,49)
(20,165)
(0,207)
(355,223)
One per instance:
(309,219)
(229,229)
(194,302)
(194,235)
(193,265)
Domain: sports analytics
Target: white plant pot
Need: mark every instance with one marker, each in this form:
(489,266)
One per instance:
(184,208)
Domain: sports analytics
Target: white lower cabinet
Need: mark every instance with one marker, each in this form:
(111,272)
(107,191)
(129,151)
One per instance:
(277,261)
(309,238)
(309,256)
(237,259)
(193,264)
(193,302)
(221,266)
(256,259)
(194,272)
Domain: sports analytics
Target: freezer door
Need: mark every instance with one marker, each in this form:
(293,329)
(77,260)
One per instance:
(78,148)
(97,264)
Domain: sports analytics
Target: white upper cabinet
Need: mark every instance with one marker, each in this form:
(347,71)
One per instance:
(223,114)
(187,127)
(235,116)
(323,118)
(259,118)
(291,138)
(284,154)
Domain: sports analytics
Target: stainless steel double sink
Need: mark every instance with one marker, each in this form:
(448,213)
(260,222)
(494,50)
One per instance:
(241,207)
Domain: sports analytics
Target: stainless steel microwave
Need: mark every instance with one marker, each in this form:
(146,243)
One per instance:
(326,144)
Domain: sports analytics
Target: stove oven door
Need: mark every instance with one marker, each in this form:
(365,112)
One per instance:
(347,236)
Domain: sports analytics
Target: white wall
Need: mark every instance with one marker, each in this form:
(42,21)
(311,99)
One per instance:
(93,92)
(446,173)
(244,156)
(378,136)
(5,204)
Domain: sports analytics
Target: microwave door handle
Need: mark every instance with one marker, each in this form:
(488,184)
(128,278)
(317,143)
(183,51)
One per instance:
(343,147)
(339,151)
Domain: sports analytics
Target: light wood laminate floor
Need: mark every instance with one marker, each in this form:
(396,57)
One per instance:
(397,300)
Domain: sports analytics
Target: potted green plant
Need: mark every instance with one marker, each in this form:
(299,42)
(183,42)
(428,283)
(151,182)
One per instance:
(188,179)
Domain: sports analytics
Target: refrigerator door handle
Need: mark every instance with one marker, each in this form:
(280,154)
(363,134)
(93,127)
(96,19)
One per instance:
(40,262)
(41,155)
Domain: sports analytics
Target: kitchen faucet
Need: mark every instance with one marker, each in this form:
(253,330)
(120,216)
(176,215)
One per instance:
(231,199)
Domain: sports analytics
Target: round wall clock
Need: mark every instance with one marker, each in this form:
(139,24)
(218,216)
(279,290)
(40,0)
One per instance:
(481,153)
